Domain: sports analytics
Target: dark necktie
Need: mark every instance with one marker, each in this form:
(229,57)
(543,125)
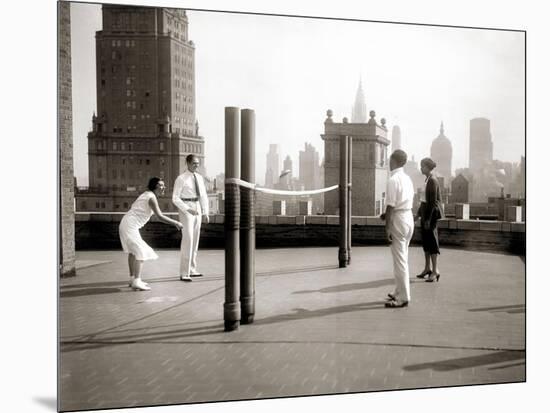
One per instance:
(196,186)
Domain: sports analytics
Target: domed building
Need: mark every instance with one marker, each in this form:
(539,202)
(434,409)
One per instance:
(442,154)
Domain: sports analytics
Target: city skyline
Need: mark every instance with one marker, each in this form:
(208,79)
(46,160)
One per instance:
(426,76)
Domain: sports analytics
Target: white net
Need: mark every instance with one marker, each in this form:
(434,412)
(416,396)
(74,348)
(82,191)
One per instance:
(271,201)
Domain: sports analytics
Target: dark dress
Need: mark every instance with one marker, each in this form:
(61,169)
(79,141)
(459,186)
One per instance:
(430,211)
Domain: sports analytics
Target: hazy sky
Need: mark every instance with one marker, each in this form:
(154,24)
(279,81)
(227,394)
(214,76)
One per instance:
(291,70)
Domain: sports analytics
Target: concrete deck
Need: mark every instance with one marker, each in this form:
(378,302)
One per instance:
(318,329)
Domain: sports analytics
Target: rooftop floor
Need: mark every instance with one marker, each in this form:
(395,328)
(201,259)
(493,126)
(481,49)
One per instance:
(318,329)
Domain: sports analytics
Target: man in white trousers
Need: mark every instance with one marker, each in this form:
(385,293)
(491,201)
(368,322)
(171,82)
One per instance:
(190,198)
(399,226)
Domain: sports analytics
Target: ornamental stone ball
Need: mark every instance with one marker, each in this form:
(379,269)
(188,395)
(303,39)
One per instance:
(372,114)
(345,120)
(383,122)
(329,116)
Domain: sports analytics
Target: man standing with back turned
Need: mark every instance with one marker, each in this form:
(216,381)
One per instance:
(399,226)
(190,198)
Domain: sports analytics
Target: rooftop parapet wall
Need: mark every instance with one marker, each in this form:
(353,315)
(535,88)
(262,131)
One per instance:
(100,231)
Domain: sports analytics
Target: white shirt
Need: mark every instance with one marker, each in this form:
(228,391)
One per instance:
(400,190)
(184,187)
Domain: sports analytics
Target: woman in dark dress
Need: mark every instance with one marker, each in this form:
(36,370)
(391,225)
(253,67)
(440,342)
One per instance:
(429,213)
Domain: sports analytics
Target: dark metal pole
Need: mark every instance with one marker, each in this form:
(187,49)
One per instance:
(248,227)
(231,308)
(350,168)
(343,193)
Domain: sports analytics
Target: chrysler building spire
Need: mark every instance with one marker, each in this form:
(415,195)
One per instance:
(359,111)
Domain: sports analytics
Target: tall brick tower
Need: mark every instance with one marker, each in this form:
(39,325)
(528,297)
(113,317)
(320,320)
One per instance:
(369,164)
(145,123)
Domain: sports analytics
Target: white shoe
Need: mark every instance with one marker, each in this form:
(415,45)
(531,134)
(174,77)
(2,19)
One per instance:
(138,285)
(132,280)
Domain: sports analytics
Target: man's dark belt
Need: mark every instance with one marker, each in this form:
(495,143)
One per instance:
(190,199)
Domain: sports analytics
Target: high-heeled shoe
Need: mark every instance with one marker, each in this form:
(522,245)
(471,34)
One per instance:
(433,276)
(424,273)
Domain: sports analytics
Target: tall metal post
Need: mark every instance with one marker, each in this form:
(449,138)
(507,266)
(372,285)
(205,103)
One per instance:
(248,227)
(343,198)
(350,168)
(231,308)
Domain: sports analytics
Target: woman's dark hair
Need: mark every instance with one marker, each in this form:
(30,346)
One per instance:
(153,182)
(429,163)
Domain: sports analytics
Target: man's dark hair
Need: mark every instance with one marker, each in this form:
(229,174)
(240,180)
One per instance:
(400,157)
(189,158)
(153,182)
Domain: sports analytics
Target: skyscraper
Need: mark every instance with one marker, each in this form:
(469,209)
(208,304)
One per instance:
(359,111)
(145,124)
(442,154)
(481,144)
(396,138)
(286,179)
(310,170)
(272,166)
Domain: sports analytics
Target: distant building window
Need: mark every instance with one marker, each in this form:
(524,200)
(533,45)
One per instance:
(83,205)
(115,147)
(122,148)
(114,174)
(97,205)
(147,162)
(126,205)
(161,146)
(103,205)
(122,174)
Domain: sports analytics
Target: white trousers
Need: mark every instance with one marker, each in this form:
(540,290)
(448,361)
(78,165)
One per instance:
(189,242)
(402,229)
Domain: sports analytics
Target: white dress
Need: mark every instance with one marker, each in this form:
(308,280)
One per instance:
(128,230)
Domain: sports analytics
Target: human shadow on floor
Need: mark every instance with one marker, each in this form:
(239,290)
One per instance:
(469,362)
(89,291)
(350,287)
(510,309)
(145,336)
(302,313)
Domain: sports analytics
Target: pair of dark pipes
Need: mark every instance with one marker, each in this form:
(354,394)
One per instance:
(240,232)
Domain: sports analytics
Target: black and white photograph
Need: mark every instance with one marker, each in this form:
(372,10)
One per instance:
(269,207)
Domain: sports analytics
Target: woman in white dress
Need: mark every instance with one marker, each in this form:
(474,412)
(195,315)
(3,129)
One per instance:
(139,214)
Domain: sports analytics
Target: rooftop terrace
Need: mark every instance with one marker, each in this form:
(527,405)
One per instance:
(318,329)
